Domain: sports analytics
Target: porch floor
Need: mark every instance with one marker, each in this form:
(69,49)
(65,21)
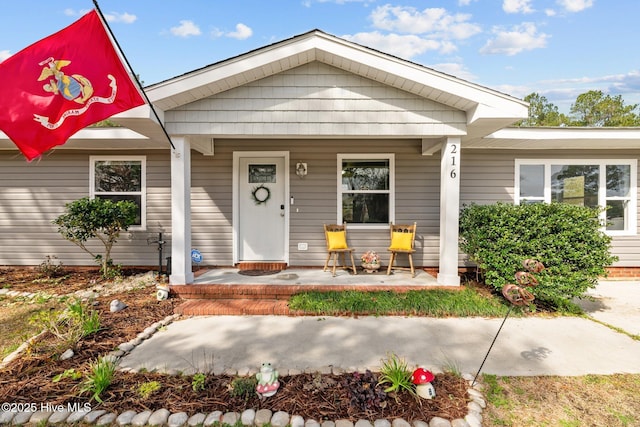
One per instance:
(313,277)
(228,291)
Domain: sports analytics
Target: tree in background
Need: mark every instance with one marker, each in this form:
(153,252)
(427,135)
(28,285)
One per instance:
(542,112)
(591,109)
(594,108)
(102,219)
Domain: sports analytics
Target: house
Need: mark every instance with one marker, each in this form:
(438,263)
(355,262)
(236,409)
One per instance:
(271,144)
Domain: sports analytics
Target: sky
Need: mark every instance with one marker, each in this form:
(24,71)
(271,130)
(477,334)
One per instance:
(557,48)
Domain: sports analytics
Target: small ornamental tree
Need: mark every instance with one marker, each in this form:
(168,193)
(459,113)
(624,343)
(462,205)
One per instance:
(101,219)
(566,238)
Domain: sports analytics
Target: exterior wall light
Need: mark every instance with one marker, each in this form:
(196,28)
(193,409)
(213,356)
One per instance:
(301,169)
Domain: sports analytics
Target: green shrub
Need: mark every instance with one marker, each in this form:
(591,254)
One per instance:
(51,268)
(243,387)
(198,382)
(145,390)
(100,219)
(567,239)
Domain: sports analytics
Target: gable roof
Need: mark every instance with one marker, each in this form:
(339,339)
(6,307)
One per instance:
(487,110)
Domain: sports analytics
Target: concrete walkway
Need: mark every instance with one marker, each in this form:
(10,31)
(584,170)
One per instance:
(615,303)
(534,346)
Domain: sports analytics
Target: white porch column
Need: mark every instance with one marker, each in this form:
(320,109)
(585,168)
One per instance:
(449,211)
(181,212)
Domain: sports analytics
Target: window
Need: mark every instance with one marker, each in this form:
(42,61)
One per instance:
(120,178)
(365,189)
(592,183)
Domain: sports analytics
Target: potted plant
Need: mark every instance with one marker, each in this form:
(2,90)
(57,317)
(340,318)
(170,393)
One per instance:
(370,261)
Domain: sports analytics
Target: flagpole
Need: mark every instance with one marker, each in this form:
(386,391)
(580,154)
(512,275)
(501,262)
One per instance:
(113,37)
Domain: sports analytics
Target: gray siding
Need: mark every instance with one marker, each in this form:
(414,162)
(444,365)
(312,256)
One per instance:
(316,100)
(34,194)
(489,176)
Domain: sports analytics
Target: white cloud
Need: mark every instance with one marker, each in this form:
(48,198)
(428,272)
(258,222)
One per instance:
(125,17)
(550,12)
(465,2)
(511,42)
(517,6)
(575,5)
(563,92)
(403,46)
(4,54)
(216,32)
(186,29)
(434,21)
(612,83)
(629,82)
(74,13)
(242,32)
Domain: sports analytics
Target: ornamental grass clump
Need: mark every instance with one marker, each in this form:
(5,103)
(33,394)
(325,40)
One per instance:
(395,374)
(99,379)
(69,325)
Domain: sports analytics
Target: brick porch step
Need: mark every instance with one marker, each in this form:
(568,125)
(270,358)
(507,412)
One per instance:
(223,291)
(235,307)
(267,266)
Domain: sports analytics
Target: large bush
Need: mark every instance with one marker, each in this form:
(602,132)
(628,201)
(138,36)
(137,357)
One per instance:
(565,238)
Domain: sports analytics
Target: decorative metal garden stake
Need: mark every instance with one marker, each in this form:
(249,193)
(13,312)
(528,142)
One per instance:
(516,295)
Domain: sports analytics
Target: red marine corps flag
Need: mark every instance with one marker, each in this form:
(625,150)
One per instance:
(61,84)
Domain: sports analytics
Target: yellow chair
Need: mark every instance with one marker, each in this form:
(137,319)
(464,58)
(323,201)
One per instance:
(336,237)
(403,237)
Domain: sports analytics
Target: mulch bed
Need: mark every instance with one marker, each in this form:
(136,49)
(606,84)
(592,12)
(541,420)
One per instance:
(29,379)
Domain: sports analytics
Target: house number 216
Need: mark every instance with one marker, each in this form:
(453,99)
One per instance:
(454,150)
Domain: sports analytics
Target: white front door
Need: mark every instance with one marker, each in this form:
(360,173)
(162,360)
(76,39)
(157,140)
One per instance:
(262,207)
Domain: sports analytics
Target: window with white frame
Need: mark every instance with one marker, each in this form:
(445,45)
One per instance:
(365,189)
(607,183)
(120,178)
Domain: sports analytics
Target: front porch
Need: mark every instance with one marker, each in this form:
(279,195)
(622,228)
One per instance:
(230,291)
(312,278)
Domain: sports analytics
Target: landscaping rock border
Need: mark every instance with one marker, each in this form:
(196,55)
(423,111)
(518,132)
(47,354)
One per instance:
(248,418)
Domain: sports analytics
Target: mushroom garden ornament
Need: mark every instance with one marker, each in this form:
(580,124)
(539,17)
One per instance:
(268,382)
(422,379)
(162,292)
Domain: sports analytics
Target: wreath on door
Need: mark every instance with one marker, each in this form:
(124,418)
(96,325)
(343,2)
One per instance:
(261,194)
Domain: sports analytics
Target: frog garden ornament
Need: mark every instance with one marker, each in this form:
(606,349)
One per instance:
(268,382)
